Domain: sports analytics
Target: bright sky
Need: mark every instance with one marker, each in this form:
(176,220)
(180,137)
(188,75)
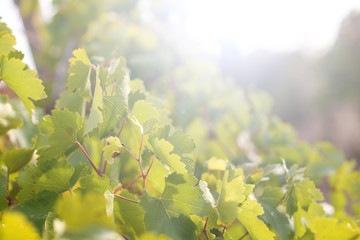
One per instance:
(276,25)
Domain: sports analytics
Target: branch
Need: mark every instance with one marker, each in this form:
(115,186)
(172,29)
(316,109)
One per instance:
(134,181)
(128,150)
(88,157)
(127,199)
(122,126)
(204,230)
(247,233)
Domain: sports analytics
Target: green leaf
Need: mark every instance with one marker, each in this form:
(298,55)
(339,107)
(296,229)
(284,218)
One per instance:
(83,210)
(231,195)
(248,217)
(3,192)
(94,183)
(55,177)
(9,119)
(278,220)
(143,112)
(67,128)
(16,159)
(331,229)
(114,111)
(37,209)
(96,116)
(302,194)
(112,149)
(71,101)
(129,216)
(79,74)
(22,81)
(163,149)
(7,41)
(116,71)
(180,197)
(155,181)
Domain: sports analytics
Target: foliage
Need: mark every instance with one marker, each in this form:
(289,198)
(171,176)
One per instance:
(108,163)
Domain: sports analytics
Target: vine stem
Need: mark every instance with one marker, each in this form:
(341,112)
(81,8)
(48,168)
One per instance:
(122,126)
(89,158)
(204,230)
(93,67)
(223,231)
(7,188)
(247,233)
(127,199)
(134,181)
(282,199)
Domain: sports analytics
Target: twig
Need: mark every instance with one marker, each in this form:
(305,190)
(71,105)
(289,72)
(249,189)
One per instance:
(134,181)
(204,230)
(222,234)
(104,170)
(113,89)
(131,153)
(127,199)
(152,161)
(122,126)
(88,157)
(244,235)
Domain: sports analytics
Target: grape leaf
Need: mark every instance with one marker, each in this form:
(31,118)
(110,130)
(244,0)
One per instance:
(96,116)
(14,225)
(71,101)
(7,41)
(37,209)
(248,217)
(9,119)
(278,220)
(81,210)
(302,194)
(22,81)
(112,149)
(143,112)
(129,216)
(16,159)
(231,195)
(79,74)
(331,229)
(55,178)
(163,149)
(67,128)
(92,183)
(155,181)
(116,71)
(3,192)
(113,111)
(180,197)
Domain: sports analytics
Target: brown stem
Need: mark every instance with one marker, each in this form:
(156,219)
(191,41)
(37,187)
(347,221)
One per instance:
(282,199)
(223,231)
(127,199)
(128,150)
(134,181)
(70,191)
(152,161)
(113,89)
(104,170)
(204,230)
(247,233)
(122,126)
(88,157)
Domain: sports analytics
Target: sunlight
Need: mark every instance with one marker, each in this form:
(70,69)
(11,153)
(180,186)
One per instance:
(277,25)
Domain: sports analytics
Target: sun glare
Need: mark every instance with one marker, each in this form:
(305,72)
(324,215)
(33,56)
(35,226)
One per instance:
(278,25)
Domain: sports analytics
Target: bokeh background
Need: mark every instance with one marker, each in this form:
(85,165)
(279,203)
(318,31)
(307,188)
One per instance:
(304,54)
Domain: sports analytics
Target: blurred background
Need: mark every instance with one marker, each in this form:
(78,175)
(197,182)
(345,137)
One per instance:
(305,54)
